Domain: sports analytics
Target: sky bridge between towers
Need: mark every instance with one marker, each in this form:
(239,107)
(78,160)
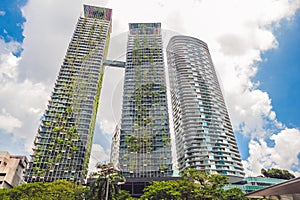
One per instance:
(114,63)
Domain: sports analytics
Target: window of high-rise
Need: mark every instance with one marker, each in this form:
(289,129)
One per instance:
(144,149)
(203,133)
(63,143)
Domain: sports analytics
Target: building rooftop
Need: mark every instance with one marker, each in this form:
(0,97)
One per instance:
(290,189)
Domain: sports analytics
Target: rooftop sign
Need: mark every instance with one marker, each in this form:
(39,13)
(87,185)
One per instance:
(97,12)
(144,25)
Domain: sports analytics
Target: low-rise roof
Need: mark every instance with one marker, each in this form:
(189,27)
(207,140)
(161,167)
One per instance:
(285,188)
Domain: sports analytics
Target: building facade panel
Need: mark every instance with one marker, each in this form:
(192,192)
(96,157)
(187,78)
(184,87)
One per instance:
(12,169)
(203,131)
(145,149)
(63,143)
(115,148)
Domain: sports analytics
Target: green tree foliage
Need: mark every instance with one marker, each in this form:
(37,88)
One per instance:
(277,173)
(234,194)
(60,189)
(162,190)
(194,185)
(104,184)
(64,190)
(123,195)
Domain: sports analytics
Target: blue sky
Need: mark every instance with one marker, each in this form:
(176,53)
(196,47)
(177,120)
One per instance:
(279,73)
(11,20)
(261,45)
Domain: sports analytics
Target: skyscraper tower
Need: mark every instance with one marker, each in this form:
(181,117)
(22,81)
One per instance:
(63,143)
(145,149)
(203,132)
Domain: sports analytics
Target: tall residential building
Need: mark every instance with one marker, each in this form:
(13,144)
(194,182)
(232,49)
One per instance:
(145,149)
(63,143)
(203,132)
(12,169)
(115,147)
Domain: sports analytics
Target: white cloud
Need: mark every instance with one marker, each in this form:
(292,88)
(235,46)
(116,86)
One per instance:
(8,122)
(98,155)
(282,155)
(8,62)
(236,32)
(48,29)
(2,13)
(21,101)
(249,110)
(8,70)
(25,101)
(107,126)
(110,102)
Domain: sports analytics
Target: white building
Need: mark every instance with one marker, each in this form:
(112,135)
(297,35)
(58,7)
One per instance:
(203,132)
(12,169)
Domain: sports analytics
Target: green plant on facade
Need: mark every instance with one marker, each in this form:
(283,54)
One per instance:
(59,140)
(48,123)
(132,143)
(64,137)
(146,95)
(163,168)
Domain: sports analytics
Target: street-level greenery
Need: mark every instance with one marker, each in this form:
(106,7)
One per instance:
(60,189)
(194,185)
(65,190)
(106,187)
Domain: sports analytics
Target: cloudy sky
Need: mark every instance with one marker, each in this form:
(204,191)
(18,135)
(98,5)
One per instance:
(255,46)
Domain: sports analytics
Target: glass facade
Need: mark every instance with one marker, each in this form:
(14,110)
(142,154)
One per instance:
(203,132)
(145,149)
(251,184)
(63,143)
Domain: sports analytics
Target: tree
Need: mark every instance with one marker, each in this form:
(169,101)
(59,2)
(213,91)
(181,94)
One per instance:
(123,195)
(162,190)
(60,189)
(106,187)
(277,173)
(207,186)
(234,194)
(107,183)
(98,188)
(194,185)
(63,189)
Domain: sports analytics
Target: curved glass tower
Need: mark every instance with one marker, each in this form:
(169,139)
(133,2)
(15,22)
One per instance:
(145,149)
(203,131)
